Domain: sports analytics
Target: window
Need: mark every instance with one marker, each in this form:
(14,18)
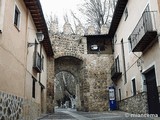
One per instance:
(125,14)
(99,45)
(42,62)
(17,17)
(119,94)
(124,62)
(115,38)
(117,64)
(33,87)
(134,87)
(129,44)
(2,8)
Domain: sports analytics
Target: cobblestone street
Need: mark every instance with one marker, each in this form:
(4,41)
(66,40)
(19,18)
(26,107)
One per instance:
(70,114)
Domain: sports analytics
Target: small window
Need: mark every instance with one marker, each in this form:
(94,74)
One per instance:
(124,61)
(42,62)
(134,87)
(17,17)
(33,88)
(125,14)
(115,38)
(119,94)
(129,44)
(2,9)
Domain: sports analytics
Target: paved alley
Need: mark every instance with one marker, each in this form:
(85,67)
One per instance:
(70,114)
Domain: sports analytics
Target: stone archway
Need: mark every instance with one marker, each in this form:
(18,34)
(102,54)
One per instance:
(74,66)
(65,89)
(91,70)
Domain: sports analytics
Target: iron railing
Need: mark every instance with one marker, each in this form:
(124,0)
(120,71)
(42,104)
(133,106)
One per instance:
(147,23)
(115,69)
(37,62)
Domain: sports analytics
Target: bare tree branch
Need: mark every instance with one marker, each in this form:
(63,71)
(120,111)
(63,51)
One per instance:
(98,12)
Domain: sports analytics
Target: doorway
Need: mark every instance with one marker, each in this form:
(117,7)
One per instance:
(42,100)
(152,92)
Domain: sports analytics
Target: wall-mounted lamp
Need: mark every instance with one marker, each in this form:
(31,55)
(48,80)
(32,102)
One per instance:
(94,47)
(40,38)
(31,44)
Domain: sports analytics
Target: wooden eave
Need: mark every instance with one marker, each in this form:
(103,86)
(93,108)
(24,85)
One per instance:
(35,9)
(102,36)
(118,13)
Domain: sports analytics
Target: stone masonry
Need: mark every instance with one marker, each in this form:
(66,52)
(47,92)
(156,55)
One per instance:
(98,81)
(31,109)
(93,72)
(11,107)
(136,104)
(50,85)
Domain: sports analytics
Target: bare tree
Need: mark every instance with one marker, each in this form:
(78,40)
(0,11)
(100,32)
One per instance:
(69,29)
(51,22)
(75,19)
(66,19)
(98,12)
(95,12)
(79,27)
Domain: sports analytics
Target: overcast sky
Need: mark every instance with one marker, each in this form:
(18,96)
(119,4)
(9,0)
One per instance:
(60,8)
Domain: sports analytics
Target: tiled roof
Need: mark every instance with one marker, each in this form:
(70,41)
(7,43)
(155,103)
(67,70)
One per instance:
(35,9)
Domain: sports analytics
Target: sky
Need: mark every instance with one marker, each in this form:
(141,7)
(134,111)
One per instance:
(60,8)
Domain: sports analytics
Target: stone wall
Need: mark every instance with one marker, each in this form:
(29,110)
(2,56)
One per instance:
(136,104)
(94,72)
(68,45)
(50,85)
(11,107)
(32,110)
(97,81)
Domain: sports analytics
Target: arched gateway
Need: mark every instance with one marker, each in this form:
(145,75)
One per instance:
(69,80)
(84,75)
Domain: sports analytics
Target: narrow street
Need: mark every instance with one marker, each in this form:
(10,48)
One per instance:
(71,114)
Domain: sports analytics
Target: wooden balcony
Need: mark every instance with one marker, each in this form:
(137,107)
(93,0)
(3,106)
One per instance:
(144,33)
(115,70)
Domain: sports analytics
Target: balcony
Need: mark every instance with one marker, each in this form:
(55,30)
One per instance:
(144,33)
(37,62)
(115,70)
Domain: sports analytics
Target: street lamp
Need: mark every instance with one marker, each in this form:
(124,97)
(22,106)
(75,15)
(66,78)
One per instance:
(40,38)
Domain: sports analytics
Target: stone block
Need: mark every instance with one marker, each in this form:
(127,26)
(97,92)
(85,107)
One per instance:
(11,106)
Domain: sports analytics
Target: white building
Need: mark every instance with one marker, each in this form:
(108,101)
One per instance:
(135,28)
(23,62)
